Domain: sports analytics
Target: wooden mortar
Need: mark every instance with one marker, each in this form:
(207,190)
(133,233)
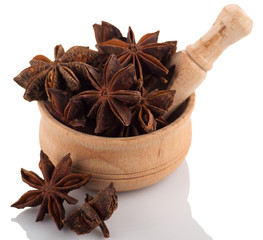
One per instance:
(136,162)
(131,162)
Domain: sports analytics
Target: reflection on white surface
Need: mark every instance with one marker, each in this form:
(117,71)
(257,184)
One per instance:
(160,211)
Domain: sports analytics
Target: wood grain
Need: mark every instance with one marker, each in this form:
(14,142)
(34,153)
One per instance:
(231,25)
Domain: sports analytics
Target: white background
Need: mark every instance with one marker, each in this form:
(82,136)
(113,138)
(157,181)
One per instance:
(217,192)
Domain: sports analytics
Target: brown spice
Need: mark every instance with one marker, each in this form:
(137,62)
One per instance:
(53,190)
(67,110)
(64,73)
(94,212)
(152,106)
(146,55)
(102,92)
(146,114)
(112,94)
(106,31)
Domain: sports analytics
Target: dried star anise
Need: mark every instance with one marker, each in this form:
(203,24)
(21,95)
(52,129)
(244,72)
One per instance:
(66,109)
(146,114)
(146,55)
(53,190)
(152,107)
(64,73)
(112,94)
(106,31)
(93,212)
(105,91)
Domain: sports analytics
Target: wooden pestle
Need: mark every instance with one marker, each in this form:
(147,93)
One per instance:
(231,25)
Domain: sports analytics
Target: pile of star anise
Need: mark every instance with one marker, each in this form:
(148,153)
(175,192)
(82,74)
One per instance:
(109,92)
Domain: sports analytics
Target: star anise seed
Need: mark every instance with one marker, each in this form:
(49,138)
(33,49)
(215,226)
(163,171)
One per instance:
(53,190)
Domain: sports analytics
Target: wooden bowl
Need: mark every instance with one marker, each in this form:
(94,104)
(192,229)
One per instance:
(131,163)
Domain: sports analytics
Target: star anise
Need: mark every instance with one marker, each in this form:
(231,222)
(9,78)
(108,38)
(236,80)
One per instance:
(146,115)
(64,73)
(94,212)
(66,109)
(112,95)
(152,107)
(146,55)
(106,31)
(53,190)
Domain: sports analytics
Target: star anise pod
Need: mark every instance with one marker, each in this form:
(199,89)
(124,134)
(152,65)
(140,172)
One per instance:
(152,107)
(146,115)
(146,55)
(112,95)
(94,212)
(66,109)
(53,190)
(106,31)
(64,73)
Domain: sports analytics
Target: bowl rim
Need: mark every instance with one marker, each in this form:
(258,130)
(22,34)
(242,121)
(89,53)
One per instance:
(176,124)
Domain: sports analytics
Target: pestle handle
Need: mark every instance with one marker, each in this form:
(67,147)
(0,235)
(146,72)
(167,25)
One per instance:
(231,25)
(192,64)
